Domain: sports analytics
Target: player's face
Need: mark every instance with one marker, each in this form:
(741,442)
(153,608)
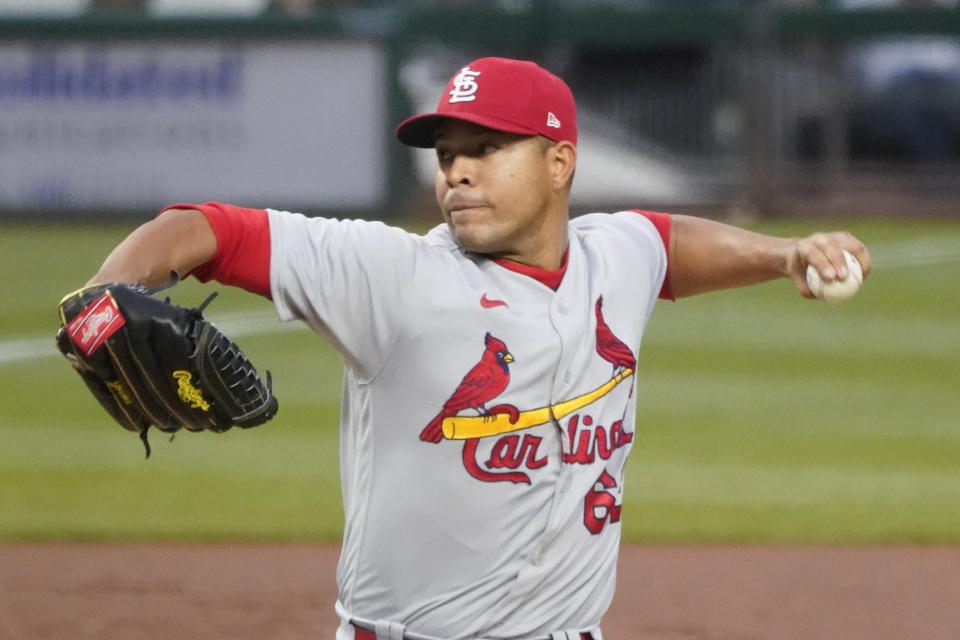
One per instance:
(495,190)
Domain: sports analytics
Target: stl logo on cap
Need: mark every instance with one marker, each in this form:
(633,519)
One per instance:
(465,86)
(514,96)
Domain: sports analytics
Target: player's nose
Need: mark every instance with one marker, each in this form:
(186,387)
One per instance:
(461,171)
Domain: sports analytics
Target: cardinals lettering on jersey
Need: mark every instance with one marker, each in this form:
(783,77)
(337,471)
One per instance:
(497,425)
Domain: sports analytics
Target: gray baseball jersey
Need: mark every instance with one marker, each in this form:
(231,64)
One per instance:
(486,418)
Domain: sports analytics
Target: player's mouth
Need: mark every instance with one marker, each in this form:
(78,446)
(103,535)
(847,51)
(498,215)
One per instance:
(458,202)
(463,215)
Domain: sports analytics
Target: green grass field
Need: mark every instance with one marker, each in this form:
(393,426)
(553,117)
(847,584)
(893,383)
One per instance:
(763,417)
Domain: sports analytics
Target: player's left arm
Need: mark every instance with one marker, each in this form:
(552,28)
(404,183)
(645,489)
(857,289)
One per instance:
(706,255)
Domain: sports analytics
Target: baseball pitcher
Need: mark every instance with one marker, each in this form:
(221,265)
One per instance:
(489,393)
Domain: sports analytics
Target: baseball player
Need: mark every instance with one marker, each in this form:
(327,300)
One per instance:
(489,365)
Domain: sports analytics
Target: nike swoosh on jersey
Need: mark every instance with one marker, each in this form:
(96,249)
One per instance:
(487,303)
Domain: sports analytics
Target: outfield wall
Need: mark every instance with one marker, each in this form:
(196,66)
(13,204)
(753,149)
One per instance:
(712,106)
(132,125)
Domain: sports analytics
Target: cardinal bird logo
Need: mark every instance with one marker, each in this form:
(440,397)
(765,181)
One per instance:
(484,382)
(610,347)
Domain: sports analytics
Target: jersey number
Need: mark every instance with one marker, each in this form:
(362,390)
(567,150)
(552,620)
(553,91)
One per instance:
(600,505)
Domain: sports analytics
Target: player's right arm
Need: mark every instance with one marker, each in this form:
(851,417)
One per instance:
(706,255)
(179,239)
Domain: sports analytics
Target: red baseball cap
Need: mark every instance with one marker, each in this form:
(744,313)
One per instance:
(516,96)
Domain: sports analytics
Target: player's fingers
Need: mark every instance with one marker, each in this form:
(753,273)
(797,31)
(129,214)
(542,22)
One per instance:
(817,252)
(823,252)
(832,246)
(841,241)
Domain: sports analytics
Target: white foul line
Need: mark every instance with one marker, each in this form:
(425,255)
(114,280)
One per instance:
(893,255)
(235,325)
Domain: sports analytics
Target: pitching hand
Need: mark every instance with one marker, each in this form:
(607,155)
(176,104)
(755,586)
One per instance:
(825,252)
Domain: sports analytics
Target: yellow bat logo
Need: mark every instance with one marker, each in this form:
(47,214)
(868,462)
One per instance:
(466,427)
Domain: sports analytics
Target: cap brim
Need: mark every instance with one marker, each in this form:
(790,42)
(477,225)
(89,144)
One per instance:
(421,131)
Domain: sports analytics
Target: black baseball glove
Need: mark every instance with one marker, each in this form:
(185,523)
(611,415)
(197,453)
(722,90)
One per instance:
(151,363)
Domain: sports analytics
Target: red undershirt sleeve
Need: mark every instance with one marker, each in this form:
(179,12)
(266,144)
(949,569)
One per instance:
(662,222)
(243,246)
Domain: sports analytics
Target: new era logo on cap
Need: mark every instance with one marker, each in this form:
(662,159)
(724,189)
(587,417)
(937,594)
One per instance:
(515,96)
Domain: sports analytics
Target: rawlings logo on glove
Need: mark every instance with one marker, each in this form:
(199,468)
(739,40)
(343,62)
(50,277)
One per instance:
(189,393)
(151,363)
(97,323)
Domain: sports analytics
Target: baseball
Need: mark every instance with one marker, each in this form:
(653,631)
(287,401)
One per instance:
(836,290)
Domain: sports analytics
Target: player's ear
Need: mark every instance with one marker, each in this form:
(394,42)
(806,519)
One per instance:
(563,161)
